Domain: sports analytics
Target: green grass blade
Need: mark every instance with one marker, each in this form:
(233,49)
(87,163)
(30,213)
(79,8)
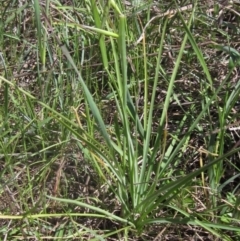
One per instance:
(196,49)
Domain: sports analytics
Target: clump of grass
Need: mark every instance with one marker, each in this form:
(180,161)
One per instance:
(115,137)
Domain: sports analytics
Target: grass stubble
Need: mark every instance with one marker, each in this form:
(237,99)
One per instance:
(109,111)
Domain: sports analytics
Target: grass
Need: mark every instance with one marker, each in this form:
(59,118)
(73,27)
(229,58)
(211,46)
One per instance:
(109,114)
